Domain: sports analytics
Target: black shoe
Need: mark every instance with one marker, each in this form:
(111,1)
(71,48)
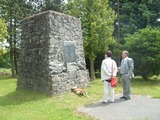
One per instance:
(104,102)
(128,98)
(122,97)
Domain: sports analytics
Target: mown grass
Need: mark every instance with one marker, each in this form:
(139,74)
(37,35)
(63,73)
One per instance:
(27,105)
(149,87)
(5,70)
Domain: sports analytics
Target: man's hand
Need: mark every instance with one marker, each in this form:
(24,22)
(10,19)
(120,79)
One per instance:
(119,69)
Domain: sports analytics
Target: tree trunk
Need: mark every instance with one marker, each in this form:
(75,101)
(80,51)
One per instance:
(144,77)
(12,63)
(11,45)
(92,72)
(143,73)
(15,52)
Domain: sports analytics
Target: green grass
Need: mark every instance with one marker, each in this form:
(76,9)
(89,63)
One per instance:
(27,105)
(5,70)
(149,87)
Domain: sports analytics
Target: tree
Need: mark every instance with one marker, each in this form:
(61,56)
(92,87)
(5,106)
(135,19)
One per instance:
(43,5)
(136,14)
(13,11)
(97,25)
(3,31)
(144,48)
(56,5)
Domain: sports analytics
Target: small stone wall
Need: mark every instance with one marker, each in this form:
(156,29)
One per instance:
(51,55)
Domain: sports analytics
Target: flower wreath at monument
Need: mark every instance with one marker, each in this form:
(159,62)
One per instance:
(79,91)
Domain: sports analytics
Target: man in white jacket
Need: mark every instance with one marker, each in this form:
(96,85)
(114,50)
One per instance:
(106,71)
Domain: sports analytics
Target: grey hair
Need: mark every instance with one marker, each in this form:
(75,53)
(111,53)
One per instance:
(126,52)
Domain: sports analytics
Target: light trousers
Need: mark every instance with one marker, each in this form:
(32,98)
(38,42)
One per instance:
(126,84)
(107,88)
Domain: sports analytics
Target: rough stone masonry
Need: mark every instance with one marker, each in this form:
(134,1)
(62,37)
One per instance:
(51,54)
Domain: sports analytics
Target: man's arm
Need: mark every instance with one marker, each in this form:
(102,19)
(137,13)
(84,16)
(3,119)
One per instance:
(115,69)
(104,68)
(131,66)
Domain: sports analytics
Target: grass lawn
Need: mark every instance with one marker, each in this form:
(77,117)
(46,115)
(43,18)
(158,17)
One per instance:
(4,71)
(27,105)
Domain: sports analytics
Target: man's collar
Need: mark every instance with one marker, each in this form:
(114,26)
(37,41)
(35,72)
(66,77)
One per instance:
(125,58)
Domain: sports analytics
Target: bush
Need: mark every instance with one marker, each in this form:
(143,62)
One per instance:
(5,60)
(144,48)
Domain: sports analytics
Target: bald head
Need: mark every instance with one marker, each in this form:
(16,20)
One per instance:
(125,54)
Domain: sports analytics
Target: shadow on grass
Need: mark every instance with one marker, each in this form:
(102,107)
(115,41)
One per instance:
(20,97)
(6,77)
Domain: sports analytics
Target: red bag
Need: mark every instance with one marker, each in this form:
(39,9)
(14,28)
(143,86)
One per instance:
(113,79)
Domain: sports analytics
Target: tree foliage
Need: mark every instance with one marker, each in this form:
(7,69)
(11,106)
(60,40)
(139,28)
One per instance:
(3,30)
(144,48)
(43,5)
(4,58)
(56,5)
(134,16)
(137,14)
(97,24)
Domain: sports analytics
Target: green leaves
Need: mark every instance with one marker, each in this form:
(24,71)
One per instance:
(55,5)
(144,48)
(3,30)
(135,15)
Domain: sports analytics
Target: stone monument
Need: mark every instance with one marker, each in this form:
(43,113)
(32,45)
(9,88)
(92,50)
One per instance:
(51,56)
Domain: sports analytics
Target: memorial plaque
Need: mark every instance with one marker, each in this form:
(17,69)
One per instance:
(69,52)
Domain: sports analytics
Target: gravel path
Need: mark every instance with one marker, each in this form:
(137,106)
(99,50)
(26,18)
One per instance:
(138,108)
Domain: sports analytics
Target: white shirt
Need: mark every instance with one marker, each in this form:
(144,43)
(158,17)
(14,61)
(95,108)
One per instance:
(106,68)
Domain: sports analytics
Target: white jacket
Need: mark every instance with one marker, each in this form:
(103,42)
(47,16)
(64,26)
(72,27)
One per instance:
(106,68)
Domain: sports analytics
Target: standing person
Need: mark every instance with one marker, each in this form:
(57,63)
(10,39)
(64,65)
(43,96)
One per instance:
(126,71)
(106,71)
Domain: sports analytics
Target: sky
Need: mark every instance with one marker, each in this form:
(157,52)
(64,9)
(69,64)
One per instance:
(65,1)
